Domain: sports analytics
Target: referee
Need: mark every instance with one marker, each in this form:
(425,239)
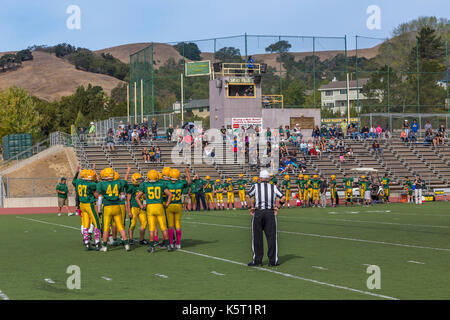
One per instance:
(264,212)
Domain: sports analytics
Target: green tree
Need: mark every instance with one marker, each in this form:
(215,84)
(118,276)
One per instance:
(190,50)
(18,112)
(229,54)
(295,94)
(280,46)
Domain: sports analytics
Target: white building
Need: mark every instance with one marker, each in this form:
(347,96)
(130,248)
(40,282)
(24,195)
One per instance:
(334,94)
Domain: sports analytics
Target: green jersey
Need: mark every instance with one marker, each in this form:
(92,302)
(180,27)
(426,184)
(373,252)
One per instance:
(287,184)
(385,182)
(333,184)
(301,184)
(241,184)
(111,190)
(153,191)
(62,187)
(166,182)
(408,185)
(176,188)
(186,187)
(133,190)
(228,186)
(85,190)
(348,183)
(218,187)
(197,185)
(365,185)
(315,183)
(273,181)
(208,187)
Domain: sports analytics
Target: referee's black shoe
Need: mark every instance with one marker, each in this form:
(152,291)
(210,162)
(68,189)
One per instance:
(252,264)
(273,265)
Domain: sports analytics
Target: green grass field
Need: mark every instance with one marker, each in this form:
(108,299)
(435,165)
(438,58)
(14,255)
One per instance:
(324,254)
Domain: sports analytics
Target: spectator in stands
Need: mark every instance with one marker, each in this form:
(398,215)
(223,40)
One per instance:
(339,132)
(121,125)
(322,144)
(379,131)
(428,126)
(283,148)
(332,131)
(91,133)
(110,141)
(365,132)
(412,136)
(269,149)
(324,132)
(312,151)
(224,133)
(82,134)
(288,132)
(154,126)
(268,135)
(405,126)
(429,139)
(302,165)
(169,133)
(145,124)
(414,127)
(298,131)
(341,157)
(142,133)
(349,152)
(304,147)
(404,136)
(129,134)
(387,134)
(152,154)
(235,148)
(376,148)
(281,132)
(440,136)
(158,154)
(340,145)
(316,132)
(332,144)
(372,133)
(146,155)
(135,137)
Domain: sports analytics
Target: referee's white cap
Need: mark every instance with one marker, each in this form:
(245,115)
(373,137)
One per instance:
(264,174)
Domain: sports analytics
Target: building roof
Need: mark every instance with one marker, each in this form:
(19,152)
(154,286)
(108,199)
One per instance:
(343,84)
(196,104)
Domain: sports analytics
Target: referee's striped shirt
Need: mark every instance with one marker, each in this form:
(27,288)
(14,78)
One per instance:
(265,195)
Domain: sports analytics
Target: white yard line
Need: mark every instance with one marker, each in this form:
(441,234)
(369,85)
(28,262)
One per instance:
(53,224)
(106,278)
(3,295)
(329,237)
(292,276)
(49,281)
(320,268)
(217,273)
(416,262)
(161,275)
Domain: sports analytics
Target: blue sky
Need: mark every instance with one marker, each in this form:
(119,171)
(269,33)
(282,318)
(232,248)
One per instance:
(106,23)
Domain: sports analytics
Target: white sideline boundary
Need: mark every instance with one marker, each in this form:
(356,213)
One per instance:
(328,237)
(243,264)
(3,295)
(292,276)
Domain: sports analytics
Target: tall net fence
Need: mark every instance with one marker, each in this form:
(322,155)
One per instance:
(400,75)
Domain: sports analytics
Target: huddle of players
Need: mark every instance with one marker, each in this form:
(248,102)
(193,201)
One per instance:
(156,201)
(217,190)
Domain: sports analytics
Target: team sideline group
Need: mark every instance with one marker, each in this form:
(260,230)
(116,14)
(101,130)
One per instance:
(105,201)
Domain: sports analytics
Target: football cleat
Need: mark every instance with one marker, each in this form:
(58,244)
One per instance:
(143,242)
(131,242)
(87,246)
(127,247)
(161,245)
(104,249)
(71,214)
(97,247)
(178,246)
(151,249)
(169,248)
(114,243)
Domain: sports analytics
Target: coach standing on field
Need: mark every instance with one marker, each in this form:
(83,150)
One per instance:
(264,212)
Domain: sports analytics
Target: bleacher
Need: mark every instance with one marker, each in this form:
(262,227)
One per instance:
(399,159)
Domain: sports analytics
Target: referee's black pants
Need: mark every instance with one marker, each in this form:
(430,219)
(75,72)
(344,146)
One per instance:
(264,220)
(200,196)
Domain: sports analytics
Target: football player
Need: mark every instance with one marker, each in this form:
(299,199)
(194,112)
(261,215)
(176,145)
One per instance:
(333,191)
(229,187)
(348,186)
(111,192)
(209,189)
(315,186)
(134,211)
(385,183)
(287,189)
(218,190)
(153,191)
(242,183)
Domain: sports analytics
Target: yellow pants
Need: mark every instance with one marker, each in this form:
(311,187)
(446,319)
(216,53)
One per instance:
(110,214)
(333,193)
(230,197)
(363,190)
(138,213)
(193,199)
(89,215)
(305,195)
(288,195)
(155,214)
(209,197)
(348,194)
(300,194)
(219,197)
(387,192)
(315,195)
(173,213)
(123,212)
(241,195)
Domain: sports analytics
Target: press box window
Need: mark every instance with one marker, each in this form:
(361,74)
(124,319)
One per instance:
(241,90)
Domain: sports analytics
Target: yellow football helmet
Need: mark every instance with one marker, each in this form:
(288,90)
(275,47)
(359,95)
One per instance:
(286,177)
(116,176)
(107,174)
(255,179)
(83,174)
(136,178)
(208,178)
(363,177)
(306,177)
(218,181)
(175,174)
(300,176)
(229,179)
(241,175)
(89,175)
(315,176)
(271,174)
(166,172)
(333,177)
(153,175)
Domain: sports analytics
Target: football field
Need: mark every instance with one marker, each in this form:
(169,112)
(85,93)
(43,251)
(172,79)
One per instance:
(324,254)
